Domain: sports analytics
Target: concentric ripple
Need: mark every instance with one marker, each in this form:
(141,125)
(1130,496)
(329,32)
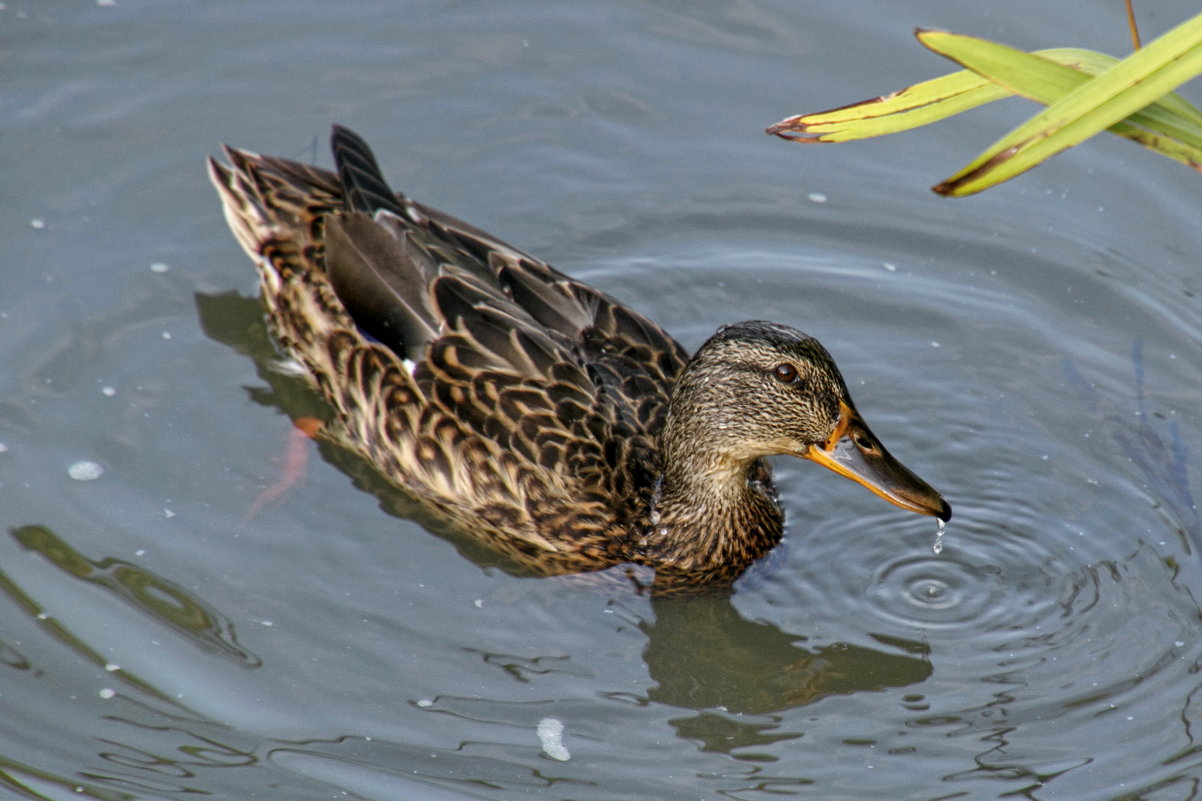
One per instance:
(935,591)
(1011,573)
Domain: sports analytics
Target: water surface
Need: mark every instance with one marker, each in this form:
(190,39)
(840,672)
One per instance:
(1032,352)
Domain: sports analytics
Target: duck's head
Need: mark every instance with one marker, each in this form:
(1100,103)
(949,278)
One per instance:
(758,389)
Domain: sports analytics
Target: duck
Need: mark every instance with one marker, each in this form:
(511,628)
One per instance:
(531,411)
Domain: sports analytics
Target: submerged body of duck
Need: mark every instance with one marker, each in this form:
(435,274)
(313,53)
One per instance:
(532,411)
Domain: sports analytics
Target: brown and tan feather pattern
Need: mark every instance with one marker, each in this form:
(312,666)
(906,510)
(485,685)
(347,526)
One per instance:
(558,426)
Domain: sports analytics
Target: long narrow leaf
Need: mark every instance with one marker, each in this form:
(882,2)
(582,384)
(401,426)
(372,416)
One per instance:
(948,95)
(1126,87)
(1035,77)
(912,107)
(1094,63)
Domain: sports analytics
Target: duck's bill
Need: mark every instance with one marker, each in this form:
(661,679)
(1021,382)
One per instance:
(855,452)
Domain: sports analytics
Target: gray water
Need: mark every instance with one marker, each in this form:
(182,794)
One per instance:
(1032,352)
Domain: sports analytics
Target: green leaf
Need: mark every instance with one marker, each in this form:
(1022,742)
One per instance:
(1119,91)
(1170,126)
(943,97)
(1095,63)
(912,107)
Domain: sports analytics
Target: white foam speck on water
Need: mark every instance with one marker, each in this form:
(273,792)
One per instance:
(159,267)
(85,471)
(937,546)
(816,197)
(550,734)
(37,222)
(108,693)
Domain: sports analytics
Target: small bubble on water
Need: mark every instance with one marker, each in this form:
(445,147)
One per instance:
(937,545)
(550,735)
(85,471)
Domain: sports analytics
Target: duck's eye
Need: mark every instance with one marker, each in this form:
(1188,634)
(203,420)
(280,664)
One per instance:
(785,373)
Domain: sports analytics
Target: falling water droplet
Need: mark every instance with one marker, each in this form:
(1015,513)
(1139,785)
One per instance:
(937,546)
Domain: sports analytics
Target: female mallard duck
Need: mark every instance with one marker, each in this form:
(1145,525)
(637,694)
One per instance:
(529,409)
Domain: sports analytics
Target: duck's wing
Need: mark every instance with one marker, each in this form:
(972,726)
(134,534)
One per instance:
(431,286)
(483,380)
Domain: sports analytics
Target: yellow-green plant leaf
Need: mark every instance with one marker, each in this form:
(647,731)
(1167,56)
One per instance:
(1124,88)
(911,107)
(1171,126)
(1093,63)
(939,98)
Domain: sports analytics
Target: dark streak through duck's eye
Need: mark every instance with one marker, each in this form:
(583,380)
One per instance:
(785,373)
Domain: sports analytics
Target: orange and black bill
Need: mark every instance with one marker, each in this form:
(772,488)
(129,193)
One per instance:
(855,452)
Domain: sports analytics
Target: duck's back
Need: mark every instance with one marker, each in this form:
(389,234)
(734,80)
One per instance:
(519,403)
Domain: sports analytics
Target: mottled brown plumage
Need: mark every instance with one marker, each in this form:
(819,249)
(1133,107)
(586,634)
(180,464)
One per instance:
(531,410)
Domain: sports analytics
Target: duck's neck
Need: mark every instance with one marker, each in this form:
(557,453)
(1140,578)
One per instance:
(709,514)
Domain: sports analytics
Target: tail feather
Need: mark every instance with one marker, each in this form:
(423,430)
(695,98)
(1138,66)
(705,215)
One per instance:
(244,218)
(362,179)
